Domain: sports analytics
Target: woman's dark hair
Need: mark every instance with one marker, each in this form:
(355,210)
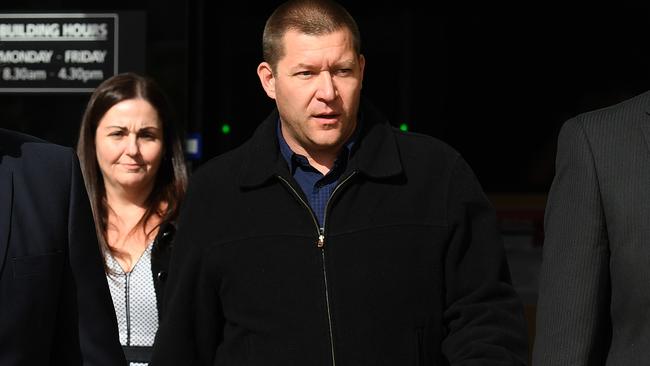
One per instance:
(171,179)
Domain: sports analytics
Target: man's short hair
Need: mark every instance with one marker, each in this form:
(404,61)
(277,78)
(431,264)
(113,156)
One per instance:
(313,17)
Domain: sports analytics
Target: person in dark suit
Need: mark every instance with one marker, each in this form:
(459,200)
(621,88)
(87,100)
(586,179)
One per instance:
(594,293)
(55,308)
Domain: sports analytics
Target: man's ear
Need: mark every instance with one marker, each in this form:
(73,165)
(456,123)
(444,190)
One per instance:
(267,79)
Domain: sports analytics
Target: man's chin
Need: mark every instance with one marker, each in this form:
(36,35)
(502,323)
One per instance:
(326,140)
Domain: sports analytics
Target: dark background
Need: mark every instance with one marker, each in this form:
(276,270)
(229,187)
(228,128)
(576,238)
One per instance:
(494,82)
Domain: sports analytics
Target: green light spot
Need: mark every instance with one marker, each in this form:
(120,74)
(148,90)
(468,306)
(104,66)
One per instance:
(225,129)
(404,127)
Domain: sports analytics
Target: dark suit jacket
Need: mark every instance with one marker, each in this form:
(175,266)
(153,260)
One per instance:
(55,308)
(594,296)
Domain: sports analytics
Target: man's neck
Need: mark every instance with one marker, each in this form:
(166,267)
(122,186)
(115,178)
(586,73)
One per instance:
(320,159)
(322,162)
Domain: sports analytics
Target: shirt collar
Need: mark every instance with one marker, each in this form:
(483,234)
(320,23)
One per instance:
(375,152)
(290,156)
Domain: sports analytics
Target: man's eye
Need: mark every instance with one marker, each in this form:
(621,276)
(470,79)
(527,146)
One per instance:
(343,72)
(304,74)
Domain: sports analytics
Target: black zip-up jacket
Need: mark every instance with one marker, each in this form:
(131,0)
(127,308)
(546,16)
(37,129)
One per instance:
(410,268)
(160,257)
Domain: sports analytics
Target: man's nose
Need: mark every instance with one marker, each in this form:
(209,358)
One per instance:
(326,87)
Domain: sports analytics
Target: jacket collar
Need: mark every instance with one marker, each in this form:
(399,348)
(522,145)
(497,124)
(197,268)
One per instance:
(375,153)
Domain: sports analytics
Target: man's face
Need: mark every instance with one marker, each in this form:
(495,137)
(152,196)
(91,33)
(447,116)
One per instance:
(316,87)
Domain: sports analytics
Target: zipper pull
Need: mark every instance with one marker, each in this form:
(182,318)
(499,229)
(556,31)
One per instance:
(321,238)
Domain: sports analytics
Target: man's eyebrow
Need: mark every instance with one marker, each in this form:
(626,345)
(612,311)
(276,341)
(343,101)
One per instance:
(301,66)
(345,63)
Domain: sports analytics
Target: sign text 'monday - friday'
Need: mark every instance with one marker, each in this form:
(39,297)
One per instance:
(45,56)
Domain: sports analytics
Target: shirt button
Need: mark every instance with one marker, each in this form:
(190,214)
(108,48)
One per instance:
(162,276)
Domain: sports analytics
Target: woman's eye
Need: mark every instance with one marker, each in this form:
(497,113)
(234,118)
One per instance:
(147,134)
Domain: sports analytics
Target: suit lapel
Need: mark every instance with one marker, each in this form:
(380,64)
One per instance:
(6,199)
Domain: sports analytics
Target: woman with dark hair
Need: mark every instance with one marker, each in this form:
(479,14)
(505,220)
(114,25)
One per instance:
(135,174)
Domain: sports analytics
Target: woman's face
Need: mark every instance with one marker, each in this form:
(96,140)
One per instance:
(129,145)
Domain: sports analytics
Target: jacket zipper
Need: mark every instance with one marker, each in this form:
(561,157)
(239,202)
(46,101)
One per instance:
(327,205)
(321,244)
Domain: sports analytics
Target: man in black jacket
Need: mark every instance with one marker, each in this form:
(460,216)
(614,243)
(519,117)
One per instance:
(55,308)
(336,239)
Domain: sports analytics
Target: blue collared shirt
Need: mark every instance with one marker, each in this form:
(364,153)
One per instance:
(317,187)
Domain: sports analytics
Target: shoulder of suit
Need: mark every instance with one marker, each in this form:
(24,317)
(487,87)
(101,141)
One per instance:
(607,127)
(628,111)
(15,141)
(25,150)
(18,137)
